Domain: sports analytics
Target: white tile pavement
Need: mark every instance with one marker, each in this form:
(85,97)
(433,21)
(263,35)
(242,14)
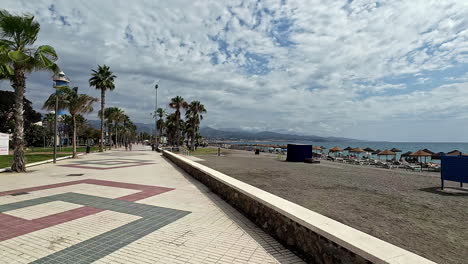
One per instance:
(213,232)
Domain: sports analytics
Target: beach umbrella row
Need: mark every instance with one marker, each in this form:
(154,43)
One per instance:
(393,152)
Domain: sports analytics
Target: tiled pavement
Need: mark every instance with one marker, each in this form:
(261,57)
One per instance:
(127,207)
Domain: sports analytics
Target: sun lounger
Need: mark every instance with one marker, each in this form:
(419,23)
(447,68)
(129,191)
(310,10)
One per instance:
(413,167)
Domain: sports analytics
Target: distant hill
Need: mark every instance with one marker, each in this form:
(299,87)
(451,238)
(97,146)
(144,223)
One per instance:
(142,127)
(211,133)
(239,134)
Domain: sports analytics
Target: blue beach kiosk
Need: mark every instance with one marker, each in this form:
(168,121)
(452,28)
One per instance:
(454,168)
(298,152)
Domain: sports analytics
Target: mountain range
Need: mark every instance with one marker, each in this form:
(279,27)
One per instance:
(232,134)
(238,134)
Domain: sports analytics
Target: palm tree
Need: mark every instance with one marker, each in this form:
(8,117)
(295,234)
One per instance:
(194,115)
(160,123)
(49,121)
(118,116)
(18,58)
(102,79)
(113,116)
(75,104)
(108,120)
(177,103)
(170,125)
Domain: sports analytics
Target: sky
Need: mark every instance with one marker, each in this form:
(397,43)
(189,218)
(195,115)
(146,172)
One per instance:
(374,70)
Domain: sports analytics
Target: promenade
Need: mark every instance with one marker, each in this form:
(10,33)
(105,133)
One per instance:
(123,207)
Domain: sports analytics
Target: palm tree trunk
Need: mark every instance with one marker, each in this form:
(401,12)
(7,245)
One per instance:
(18,135)
(116,139)
(177,136)
(103,98)
(74,136)
(193,137)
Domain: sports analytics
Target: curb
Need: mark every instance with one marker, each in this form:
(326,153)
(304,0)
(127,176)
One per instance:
(44,162)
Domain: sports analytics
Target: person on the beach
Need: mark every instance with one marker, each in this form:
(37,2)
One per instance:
(130,146)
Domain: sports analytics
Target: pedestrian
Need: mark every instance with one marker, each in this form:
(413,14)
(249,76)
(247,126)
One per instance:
(130,146)
(126,145)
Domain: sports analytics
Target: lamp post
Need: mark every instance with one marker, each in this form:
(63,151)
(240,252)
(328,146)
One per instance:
(155,116)
(59,80)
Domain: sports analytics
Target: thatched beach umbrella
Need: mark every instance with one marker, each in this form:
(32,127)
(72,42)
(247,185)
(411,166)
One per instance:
(316,148)
(454,153)
(406,154)
(421,153)
(377,151)
(428,151)
(437,155)
(386,153)
(357,150)
(348,148)
(395,150)
(335,149)
(369,151)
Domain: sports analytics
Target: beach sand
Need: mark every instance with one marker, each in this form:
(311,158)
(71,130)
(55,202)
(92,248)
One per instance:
(403,208)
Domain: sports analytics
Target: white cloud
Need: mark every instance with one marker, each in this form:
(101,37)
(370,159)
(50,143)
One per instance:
(325,62)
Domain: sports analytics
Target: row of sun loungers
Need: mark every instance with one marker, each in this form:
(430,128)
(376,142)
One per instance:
(387,164)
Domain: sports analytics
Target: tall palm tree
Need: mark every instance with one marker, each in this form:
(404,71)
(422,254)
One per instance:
(102,79)
(177,103)
(75,103)
(194,115)
(17,58)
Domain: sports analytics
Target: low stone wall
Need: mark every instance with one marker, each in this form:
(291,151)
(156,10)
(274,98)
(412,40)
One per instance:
(317,238)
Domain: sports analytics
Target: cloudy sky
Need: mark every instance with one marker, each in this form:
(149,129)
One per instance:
(377,70)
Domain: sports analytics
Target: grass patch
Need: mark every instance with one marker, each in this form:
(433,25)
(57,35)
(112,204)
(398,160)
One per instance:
(205,151)
(7,160)
(63,150)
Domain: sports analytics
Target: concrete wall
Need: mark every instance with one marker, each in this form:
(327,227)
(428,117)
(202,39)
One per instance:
(317,238)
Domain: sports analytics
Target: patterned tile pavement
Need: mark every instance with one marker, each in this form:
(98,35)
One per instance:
(108,164)
(129,214)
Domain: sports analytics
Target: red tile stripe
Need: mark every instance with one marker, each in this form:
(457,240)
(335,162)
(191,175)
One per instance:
(109,168)
(11,226)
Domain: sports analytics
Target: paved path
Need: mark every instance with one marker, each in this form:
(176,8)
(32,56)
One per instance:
(123,207)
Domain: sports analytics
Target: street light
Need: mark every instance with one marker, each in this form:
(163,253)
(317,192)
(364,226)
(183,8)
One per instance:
(155,116)
(59,80)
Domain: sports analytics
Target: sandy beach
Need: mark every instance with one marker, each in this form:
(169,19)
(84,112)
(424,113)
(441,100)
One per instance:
(401,207)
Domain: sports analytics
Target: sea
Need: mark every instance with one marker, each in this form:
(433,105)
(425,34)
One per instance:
(403,146)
